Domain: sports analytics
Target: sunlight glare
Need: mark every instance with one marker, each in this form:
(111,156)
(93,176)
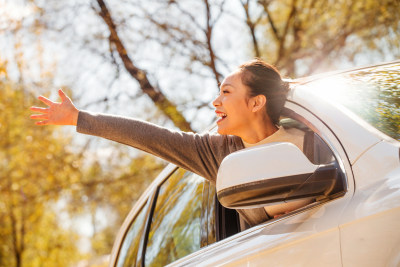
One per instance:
(333,89)
(15,11)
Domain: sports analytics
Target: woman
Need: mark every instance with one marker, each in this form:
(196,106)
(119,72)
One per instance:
(248,107)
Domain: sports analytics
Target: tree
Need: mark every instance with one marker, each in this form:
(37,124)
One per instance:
(177,51)
(111,189)
(37,170)
(105,44)
(34,167)
(301,37)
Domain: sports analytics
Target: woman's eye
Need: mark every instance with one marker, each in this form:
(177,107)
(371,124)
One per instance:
(223,92)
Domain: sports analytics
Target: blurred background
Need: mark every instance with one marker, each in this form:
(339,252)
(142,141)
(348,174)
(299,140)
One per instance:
(64,195)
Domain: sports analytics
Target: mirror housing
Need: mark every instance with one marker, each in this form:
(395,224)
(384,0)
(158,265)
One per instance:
(271,174)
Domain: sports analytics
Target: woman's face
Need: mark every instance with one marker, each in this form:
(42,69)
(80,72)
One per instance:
(232,106)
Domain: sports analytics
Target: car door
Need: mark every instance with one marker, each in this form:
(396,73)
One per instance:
(308,236)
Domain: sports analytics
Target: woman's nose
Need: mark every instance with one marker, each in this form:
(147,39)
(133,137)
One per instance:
(217,101)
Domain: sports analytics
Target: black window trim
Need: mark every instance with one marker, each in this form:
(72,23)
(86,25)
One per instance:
(150,205)
(224,217)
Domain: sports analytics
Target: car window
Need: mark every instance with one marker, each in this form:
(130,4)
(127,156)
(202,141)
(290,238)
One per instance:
(373,94)
(316,150)
(176,221)
(131,242)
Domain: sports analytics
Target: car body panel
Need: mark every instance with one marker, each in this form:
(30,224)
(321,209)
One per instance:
(372,218)
(304,234)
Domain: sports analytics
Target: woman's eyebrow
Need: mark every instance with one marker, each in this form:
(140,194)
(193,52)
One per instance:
(227,84)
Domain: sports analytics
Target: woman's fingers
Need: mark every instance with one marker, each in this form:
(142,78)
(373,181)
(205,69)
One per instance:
(40,116)
(43,117)
(46,100)
(57,113)
(46,122)
(62,95)
(41,110)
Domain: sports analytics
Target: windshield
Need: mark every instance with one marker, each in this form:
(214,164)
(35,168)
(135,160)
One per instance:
(373,94)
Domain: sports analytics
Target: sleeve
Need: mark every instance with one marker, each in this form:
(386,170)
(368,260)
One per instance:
(199,153)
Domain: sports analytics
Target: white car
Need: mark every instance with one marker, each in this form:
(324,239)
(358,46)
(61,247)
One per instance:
(349,176)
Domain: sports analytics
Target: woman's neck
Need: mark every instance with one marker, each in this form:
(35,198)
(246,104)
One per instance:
(259,130)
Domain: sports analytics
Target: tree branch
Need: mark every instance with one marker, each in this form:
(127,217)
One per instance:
(252,26)
(265,4)
(281,49)
(159,99)
(208,33)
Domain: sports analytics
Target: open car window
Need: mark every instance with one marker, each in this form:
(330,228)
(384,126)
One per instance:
(317,151)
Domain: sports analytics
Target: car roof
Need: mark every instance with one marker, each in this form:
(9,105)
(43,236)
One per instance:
(311,78)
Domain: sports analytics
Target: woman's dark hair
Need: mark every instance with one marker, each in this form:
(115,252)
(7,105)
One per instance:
(264,79)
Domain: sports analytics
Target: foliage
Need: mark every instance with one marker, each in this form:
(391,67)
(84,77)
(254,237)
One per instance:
(308,36)
(111,190)
(34,166)
(175,53)
(38,170)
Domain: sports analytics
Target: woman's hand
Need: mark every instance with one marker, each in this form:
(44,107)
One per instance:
(64,113)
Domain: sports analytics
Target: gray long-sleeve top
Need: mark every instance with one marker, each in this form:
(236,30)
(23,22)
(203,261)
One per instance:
(199,153)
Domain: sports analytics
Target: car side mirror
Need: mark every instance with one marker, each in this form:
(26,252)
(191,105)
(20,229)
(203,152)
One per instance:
(271,174)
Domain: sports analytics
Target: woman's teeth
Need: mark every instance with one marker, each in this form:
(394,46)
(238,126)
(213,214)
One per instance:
(221,115)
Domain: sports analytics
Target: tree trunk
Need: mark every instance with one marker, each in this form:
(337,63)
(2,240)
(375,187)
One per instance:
(159,99)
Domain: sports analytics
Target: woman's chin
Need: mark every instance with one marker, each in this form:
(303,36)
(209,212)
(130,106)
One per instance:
(222,130)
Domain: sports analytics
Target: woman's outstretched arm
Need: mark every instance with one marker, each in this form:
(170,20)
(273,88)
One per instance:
(57,113)
(200,153)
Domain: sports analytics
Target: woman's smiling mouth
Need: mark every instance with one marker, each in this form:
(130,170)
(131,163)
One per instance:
(221,115)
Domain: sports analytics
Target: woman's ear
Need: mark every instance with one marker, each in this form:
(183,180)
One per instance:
(258,103)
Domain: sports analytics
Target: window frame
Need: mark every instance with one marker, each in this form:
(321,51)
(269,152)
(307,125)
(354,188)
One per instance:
(140,258)
(291,111)
(298,112)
